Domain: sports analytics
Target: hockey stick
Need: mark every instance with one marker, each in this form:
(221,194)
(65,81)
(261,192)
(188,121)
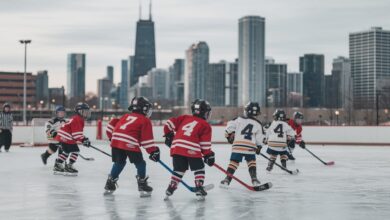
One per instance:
(281,167)
(190,188)
(87,158)
(255,188)
(325,163)
(100,150)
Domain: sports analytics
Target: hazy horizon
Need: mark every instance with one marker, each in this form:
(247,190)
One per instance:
(105,31)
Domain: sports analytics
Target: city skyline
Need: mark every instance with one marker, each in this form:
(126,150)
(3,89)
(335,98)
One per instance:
(58,29)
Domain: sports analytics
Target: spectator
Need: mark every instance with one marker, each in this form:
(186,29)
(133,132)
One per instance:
(6,120)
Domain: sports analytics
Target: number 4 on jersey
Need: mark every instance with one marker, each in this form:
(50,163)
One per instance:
(130,119)
(247,132)
(188,128)
(279,130)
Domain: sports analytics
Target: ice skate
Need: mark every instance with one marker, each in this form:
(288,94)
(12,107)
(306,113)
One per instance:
(70,170)
(200,193)
(111,185)
(170,190)
(225,183)
(58,169)
(270,166)
(44,158)
(291,157)
(143,188)
(255,182)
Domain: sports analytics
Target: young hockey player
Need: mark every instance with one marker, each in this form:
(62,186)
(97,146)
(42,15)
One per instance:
(52,127)
(127,135)
(189,137)
(69,135)
(277,136)
(296,123)
(246,135)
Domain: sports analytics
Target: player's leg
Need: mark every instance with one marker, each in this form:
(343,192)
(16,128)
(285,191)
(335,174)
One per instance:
(142,180)
(284,158)
(49,151)
(235,160)
(59,167)
(1,140)
(8,140)
(251,161)
(273,154)
(119,157)
(180,166)
(197,166)
(291,147)
(74,151)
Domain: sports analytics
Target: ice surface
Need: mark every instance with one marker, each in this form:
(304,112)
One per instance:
(357,187)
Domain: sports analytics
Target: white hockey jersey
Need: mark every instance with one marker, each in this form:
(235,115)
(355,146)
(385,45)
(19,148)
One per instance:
(249,134)
(53,124)
(277,133)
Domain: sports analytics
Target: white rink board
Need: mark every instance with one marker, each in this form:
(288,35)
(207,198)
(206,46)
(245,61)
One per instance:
(357,188)
(364,135)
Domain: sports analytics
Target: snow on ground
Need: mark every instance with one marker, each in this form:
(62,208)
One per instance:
(356,187)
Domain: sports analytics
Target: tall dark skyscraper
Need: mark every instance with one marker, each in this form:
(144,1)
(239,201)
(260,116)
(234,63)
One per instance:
(312,67)
(145,50)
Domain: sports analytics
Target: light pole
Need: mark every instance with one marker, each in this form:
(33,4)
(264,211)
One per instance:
(25,42)
(337,117)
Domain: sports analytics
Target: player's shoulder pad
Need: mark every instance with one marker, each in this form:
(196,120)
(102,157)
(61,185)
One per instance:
(256,120)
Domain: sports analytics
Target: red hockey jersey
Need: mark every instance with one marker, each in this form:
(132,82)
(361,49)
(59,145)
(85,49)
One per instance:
(72,131)
(131,132)
(192,136)
(110,127)
(298,130)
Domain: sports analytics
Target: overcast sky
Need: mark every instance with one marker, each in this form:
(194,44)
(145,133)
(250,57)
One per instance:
(105,30)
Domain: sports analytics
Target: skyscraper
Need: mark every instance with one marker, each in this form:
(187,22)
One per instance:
(231,83)
(104,89)
(124,99)
(42,86)
(251,60)
(76,76)
(177,80)
(369,52)
(145,52)
(110,73)
(276,83)
(159,82)
(294,90)
(338,86)
(312,67)
(195,76)
(132,76)
(215,84)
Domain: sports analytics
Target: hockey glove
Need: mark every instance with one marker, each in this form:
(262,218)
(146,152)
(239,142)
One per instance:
(169,138)
(302,144)
(291,143)
(209,159)
(230,137)
(155,155)
(53,133)
(86,142)
(258,150)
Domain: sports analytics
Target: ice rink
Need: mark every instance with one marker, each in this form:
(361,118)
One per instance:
(356,187)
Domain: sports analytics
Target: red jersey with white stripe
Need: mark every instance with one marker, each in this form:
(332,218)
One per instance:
(72,131)
(298,130)
(133,131)
(110,127)
(192,136)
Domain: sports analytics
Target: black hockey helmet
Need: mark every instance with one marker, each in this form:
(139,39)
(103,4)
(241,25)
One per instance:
(252,109)
(298,117)
(60,108)
(6,105)
(279,115)
(201,108)
(83,110)
(141,105)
